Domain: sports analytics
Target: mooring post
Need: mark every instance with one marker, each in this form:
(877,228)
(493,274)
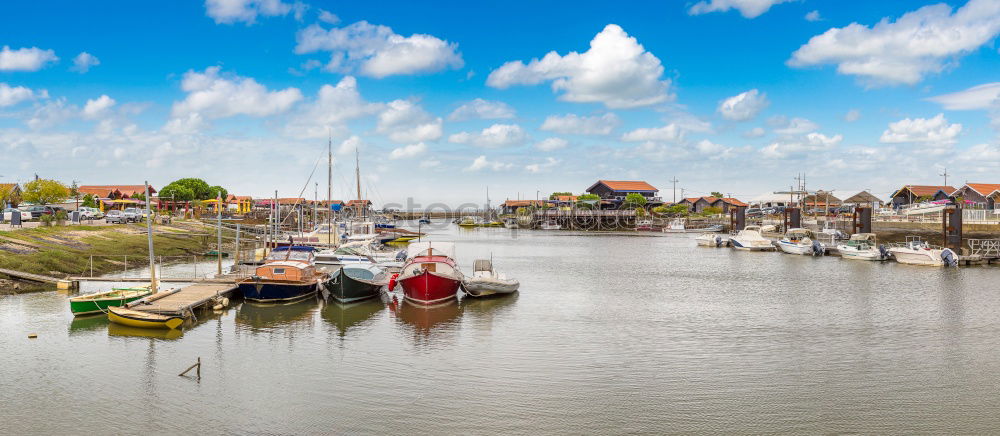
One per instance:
(196,367)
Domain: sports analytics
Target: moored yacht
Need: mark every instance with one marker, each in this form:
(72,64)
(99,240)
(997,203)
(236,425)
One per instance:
(430,274)
(918,252)
(288,274)
(750,239)
(799,241)
(863,246)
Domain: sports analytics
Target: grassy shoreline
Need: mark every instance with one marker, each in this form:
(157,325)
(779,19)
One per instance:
(64,251)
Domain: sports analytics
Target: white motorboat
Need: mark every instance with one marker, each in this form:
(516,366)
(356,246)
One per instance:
(712,240)
(550,225)
(679,226)
(358,252)
(486,281)
(863,246)
(922,208)
(510,223)
(325,233)
(362,231)
(749,239)
(918,252)
(799,241)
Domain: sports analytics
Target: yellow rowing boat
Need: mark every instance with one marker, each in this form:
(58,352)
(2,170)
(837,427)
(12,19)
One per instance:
(135,318)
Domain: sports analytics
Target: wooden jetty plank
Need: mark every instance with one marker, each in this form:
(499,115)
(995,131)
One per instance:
(183,301)
(29,276)
(147,279)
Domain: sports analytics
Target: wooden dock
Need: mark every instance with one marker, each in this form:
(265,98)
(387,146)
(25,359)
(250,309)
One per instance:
(182,302)
(29,276)
(147,279)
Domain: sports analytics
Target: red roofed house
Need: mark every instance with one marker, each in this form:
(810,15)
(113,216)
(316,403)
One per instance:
(114,192)
(616,190)
(511,206)
(910,194)
(728,203)
(982,194)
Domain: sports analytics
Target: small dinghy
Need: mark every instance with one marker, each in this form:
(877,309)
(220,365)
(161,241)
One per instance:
(485,281)
(146,320)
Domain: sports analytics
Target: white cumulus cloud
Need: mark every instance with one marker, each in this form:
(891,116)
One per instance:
(933,131)
(481,163)
(796,126)
(541,167)
(83,61)
(333,107)
(747,8)
(800,146)
(977,97)
(669,133)
(907,49)
(404,121)
(581,125)
(852,115)
(377,51)
(97,108)
(233,11)
(11,95)
(813,16)
(617,71)
(755,132)
(412,150)
(25,59)
(483,110)
(216,96)
(743,106)
(551,144)
(495,136)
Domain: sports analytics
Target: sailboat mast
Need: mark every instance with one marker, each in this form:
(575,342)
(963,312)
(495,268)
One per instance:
(329,190)
(357,177)
(149,233)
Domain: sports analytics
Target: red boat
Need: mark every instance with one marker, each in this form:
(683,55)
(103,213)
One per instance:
(430,275)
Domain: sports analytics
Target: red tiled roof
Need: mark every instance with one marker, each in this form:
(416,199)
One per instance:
(566,198)
(103,190)
(232,197)
(358,202)
(626,185)
(984,188)
(921,190)
(734,202)
(709,199)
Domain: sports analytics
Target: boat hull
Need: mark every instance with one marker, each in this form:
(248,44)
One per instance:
(750,245)
(923,257)
(429,288)
(82,306)
(137,319)
(872,255)
(793,248)
(346,289)
(487,287)
(277,292)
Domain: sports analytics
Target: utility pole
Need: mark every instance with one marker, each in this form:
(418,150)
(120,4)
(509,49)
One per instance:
(674,181)
(945,175)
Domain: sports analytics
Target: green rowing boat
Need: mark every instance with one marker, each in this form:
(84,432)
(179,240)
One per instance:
(100,302)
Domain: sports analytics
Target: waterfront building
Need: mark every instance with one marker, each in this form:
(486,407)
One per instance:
(864,198)
(910,194)
(614,191)
(984,195)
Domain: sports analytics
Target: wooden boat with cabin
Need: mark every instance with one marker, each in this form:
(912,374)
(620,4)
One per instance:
(288,274)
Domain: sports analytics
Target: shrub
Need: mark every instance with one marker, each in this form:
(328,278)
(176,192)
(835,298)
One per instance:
(46,220)
(61,217)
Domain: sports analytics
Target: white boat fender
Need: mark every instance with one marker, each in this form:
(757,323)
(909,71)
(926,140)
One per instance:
(949,257)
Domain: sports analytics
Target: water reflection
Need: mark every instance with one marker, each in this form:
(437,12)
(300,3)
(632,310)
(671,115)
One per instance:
(119,330)
(86,324)
(482,312)
(427,322)
(345,316)
(266,317)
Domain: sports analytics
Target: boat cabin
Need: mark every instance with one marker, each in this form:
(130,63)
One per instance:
(288,264)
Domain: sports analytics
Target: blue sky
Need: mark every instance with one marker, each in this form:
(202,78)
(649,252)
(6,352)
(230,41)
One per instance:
(445,99)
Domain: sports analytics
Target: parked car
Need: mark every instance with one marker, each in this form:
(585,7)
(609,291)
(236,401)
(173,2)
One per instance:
(36,212)
(132,215)
(115,216)
(753,212)
(90,213)
(9,212)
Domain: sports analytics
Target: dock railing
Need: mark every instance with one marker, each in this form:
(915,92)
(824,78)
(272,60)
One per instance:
(985,248)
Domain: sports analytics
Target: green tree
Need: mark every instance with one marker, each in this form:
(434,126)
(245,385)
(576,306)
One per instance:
(7,195)
(189,189)
(677,209)
(708,211)
(634,200)
(44,191)
(717,194)
(88,201)
(587,201)
(559,194)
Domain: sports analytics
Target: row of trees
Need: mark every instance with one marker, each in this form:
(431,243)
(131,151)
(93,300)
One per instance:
(39,191)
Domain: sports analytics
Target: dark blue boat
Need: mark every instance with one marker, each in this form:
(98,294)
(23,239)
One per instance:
(288,274)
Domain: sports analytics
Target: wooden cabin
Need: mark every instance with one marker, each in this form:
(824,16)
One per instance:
(910,194)
(984,195)
(615,191)
(288,264)
(864,198)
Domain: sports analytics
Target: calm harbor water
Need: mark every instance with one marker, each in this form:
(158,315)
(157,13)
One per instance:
(610,334)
